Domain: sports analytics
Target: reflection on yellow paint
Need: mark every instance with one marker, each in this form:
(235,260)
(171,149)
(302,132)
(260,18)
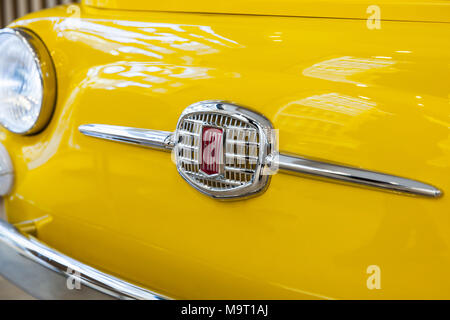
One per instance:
(342,68)
(160,55)
(326,116)
(338,103)
(31,152)
(443,159)
(147,39)
(157,76)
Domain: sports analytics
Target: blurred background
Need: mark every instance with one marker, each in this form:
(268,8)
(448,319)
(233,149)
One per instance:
(13,9)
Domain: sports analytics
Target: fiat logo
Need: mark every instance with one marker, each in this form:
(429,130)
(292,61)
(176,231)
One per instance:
(211,151)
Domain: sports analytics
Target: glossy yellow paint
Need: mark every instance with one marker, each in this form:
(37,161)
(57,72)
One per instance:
(406,10)
(377,99)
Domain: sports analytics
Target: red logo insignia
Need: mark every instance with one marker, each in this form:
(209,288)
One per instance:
(212,150)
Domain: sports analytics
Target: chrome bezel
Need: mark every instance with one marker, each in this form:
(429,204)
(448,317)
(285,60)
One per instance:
(47,74)
(267,147)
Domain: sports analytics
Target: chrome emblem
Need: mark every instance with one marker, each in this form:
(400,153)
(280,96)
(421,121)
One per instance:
(224,150)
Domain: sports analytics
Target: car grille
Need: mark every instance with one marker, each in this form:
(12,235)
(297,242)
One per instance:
(241,150)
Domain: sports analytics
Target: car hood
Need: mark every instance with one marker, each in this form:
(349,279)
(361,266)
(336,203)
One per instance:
(411,10)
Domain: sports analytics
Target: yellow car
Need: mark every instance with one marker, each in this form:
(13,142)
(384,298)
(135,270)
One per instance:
(239,149)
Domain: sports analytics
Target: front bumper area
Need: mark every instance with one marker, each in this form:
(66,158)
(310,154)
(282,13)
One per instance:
(45,273)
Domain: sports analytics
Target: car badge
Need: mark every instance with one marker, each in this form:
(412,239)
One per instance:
(224,150)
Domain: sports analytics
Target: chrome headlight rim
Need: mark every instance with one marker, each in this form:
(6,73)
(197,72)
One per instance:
(47,75)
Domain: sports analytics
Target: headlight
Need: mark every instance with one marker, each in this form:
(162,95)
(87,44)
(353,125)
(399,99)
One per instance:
(27,82)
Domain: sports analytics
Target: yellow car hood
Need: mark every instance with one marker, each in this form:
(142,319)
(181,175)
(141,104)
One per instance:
(411,10)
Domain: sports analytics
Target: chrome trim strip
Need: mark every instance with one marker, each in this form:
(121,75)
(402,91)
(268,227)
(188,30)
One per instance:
(299,165)
(43,271)
(287,164)
(143,137)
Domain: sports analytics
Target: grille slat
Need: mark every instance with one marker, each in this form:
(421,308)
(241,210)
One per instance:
(188,160)
(242,142)
(212,179)
(185,132)
(241,157)
(235,127)
(190,147)
(241,170)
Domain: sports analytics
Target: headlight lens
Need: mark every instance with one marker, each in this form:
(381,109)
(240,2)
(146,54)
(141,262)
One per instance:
(27,82)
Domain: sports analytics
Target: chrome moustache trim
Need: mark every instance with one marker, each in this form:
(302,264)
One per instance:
(299,165)
(161,140)
(296,165)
